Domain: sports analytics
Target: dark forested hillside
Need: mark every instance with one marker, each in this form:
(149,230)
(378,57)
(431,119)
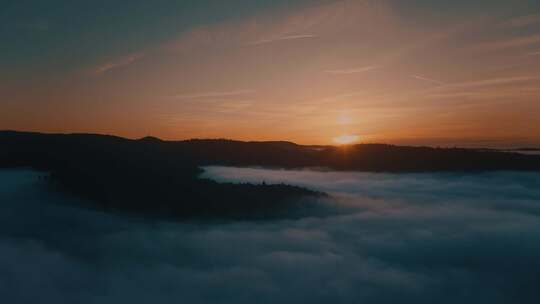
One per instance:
(43,150)
(143,177)
(154,176)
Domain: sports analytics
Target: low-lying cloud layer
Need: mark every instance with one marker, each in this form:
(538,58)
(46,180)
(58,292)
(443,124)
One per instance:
(419,238)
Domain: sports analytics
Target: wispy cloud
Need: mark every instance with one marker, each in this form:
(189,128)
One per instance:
(427,79)
(282,38)
(507,44)
(352,71)
(206,95)
(232,107)
(116,64)
(480,89)
(488,93)
(523,21)
(487,88)
(494,81)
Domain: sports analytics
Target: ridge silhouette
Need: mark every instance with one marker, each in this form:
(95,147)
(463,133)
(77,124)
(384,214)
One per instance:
(150,176)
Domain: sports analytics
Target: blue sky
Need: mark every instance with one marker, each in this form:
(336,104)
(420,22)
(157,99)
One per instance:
(41,33)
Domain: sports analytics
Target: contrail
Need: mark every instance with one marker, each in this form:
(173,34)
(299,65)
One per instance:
(428,79)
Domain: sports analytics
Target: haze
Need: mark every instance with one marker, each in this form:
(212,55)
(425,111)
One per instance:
(410,238)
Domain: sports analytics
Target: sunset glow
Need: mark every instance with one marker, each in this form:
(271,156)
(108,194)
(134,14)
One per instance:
(346,139)
(300,71)
(269,151)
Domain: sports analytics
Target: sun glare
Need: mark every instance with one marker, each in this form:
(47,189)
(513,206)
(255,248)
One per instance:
(346,139)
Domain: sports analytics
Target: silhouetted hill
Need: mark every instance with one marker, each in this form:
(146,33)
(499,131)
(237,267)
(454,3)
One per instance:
(150,139)
(39,150)
(152,176)
(363,157)
(141,176)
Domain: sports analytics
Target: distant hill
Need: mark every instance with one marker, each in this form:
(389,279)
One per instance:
(145,177)
(22,148)
(363,157)
(152,176)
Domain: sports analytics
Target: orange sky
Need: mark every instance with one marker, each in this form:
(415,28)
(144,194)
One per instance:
(307,74)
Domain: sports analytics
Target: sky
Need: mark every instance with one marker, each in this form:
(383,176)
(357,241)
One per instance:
(418,72)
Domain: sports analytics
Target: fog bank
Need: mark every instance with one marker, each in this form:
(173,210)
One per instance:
(413,238)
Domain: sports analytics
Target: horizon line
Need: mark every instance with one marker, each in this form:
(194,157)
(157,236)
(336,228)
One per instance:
(439,145)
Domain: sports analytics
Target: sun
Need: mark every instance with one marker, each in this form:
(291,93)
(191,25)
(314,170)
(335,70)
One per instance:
(346,139)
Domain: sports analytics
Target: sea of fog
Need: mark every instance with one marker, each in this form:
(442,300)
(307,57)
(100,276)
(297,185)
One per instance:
(400,238)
